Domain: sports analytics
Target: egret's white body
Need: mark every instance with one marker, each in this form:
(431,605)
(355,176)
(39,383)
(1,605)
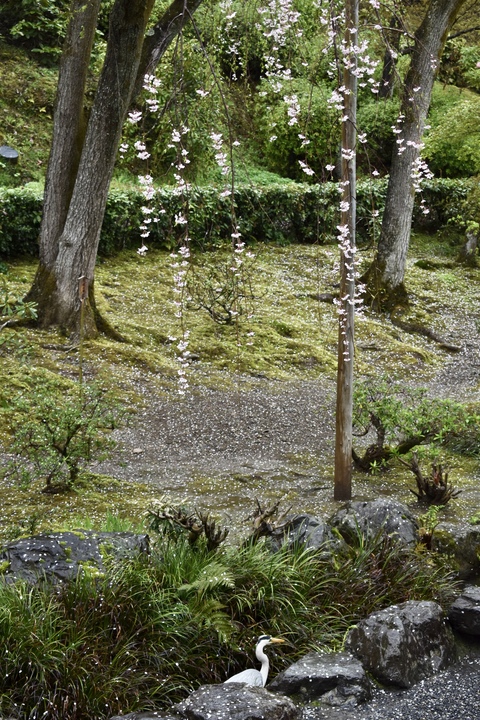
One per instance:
(252,676)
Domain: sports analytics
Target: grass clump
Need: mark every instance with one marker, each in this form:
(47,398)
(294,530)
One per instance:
(149,632)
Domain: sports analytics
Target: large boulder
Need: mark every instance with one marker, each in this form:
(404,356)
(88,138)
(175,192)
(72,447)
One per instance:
(308,532)
(58,557)
(235,701)
(374,516)
(464,614)
(404,643)
(462,542)
(333,678)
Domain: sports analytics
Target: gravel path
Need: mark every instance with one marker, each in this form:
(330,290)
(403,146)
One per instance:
(450,695)
(220,449)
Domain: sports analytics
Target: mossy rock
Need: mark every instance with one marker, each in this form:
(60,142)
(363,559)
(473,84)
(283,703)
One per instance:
(59,557)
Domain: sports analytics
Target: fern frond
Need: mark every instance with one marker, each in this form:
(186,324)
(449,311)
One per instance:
(214,576)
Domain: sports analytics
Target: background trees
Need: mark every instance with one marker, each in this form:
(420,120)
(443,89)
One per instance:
(263,74)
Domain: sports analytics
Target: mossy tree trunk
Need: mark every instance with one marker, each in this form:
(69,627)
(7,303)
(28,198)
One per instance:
(82,157)
(385,277)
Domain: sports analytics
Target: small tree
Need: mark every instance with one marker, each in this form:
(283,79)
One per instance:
(54,436)
(402,419)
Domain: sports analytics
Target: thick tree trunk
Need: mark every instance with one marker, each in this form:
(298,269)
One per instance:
(82,159)
(69,126)
(56,287)
(385,277)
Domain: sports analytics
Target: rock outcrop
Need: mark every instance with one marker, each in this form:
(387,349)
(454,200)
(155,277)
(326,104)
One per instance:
(236,702)
(375,516)
(404,643)
(464,614)
(333,678)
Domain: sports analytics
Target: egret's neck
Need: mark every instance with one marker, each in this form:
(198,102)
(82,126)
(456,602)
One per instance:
(261,657)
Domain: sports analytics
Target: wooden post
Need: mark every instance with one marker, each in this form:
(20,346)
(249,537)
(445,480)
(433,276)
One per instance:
(343,427)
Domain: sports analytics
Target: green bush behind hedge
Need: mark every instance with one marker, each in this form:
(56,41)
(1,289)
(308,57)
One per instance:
(294,213)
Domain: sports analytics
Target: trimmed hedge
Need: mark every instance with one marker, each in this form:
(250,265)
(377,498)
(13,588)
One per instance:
(292,213)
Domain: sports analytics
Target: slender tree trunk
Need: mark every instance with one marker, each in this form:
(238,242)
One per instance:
(346,307)
(161,35)
(385,278)
(392,49)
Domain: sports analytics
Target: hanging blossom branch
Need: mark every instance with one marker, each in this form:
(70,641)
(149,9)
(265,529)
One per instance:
(356,64)
(235,270)
(279,22)
(180,259)
(420,171)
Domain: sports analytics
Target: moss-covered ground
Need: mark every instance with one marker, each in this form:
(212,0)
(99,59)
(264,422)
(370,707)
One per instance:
(294,337)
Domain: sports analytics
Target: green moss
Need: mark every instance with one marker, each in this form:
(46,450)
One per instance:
(90,570)
(295,337)
(4,565)
(23,511)
(26,109)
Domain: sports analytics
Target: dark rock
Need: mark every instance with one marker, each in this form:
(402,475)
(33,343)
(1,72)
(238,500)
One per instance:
(404,643)
(308,532)
(334,678)
(371,517)
(149,715)
(464,614)
(58,557)
(462,542)
(236,702)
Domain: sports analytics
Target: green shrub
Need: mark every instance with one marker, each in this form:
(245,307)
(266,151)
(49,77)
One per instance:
(54,434)
(459,64)
(402,418)
(20,216)
(286,213)
(452,146)
(317,123)
(39,26)
(375,118)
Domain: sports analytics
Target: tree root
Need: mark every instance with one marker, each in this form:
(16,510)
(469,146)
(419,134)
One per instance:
(426,332)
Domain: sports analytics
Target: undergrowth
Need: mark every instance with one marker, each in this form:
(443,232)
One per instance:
(147,633)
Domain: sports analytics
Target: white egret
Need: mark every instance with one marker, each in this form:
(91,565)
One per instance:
(252,676)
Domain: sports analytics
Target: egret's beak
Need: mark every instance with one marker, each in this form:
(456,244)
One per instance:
(277,640)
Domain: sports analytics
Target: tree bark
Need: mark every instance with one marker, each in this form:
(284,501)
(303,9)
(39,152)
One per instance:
(385,277)
(82,158)
(69,126)
(72,255)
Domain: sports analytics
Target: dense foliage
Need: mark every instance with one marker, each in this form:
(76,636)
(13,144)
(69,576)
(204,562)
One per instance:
(287,213)
(146,634)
